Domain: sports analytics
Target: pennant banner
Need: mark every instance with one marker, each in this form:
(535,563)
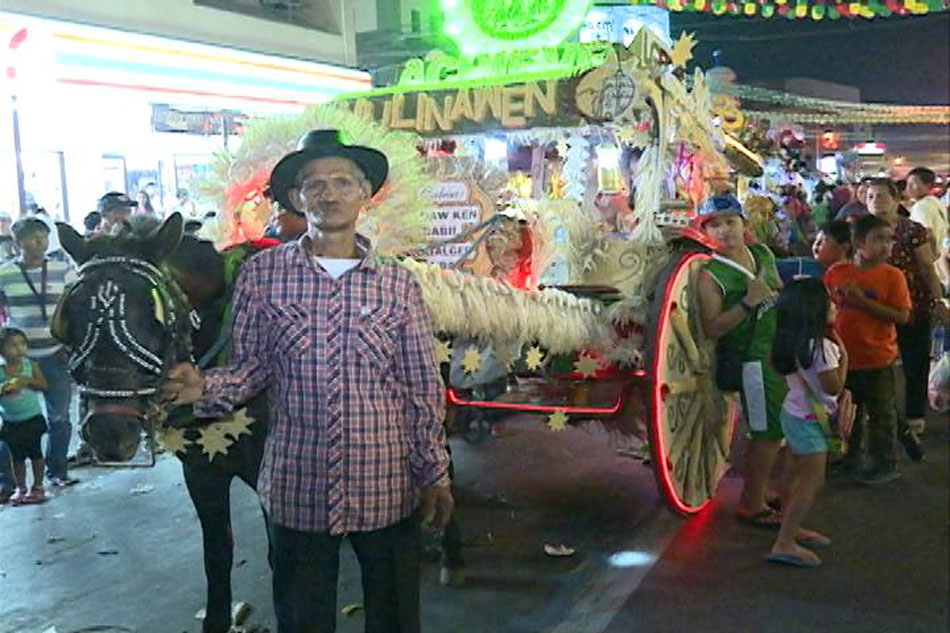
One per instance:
(803,9)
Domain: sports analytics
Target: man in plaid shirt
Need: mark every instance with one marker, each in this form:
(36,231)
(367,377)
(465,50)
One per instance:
(342,343)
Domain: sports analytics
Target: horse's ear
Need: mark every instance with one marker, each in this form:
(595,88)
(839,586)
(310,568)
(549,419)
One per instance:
(166,238)
(73,242)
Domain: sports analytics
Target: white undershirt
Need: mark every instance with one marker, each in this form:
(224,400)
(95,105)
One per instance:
(336,267)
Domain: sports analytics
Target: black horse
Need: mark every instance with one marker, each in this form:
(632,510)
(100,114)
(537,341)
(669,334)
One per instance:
(144,299)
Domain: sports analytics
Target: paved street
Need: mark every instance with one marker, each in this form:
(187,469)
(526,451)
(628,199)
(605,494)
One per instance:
(122,552)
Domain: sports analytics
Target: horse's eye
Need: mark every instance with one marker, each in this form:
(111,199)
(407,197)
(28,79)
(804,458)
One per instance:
(159,306)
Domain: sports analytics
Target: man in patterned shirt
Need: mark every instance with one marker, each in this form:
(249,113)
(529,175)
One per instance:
(341,341)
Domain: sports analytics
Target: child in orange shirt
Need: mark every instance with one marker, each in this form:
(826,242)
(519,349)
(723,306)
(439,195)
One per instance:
(872,297)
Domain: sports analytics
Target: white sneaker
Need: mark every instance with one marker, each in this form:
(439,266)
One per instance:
(917,426)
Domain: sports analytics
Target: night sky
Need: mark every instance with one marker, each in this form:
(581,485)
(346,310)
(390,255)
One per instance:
(892,60)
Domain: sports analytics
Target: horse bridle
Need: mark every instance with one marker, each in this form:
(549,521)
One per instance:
(107,304)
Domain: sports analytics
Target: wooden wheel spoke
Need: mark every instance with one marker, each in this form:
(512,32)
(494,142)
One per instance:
(679,320)
(685,427)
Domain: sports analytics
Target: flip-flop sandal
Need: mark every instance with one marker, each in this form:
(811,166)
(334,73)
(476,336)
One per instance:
(767,519)
(813,540)
(791,560)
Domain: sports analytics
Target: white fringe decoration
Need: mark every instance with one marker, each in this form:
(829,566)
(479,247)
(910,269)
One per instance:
(482,308)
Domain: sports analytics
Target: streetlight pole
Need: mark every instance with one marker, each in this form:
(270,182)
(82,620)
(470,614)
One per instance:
(18,154)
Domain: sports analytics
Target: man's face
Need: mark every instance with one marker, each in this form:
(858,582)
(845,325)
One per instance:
(331,192)
(881,202)
(827,250)
(34,243)
(916,189)
(115,216)
(727,229)
(877,245)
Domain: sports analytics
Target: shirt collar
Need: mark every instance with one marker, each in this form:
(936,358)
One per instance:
(368,258)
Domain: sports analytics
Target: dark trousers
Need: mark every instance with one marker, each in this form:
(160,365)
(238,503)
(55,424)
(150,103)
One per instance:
(874,391)
(913,340)
(452,535)
(306,565)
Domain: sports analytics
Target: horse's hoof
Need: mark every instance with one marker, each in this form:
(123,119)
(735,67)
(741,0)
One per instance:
(452,576)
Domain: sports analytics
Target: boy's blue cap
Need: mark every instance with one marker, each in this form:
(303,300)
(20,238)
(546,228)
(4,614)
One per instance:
(719,204)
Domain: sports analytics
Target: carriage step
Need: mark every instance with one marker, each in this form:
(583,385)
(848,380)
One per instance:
(585,397)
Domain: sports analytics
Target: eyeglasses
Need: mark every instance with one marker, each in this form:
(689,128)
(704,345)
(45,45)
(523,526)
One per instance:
(318,187)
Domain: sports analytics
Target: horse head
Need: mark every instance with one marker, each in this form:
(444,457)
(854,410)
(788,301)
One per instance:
(125,322)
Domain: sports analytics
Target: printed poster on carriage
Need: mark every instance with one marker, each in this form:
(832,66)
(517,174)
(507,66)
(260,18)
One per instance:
(457,206)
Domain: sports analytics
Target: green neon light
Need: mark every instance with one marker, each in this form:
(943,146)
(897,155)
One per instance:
(489,26)
(460,85)
(438,71)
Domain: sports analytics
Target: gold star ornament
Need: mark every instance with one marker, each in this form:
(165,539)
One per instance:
(237,424)
(173,440)
(472,361)
(557,421)
(683,49)
(533,358)
(214,440)
(443,351)
(586,366)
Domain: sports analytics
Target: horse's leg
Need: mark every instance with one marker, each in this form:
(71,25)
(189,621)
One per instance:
(251,451)
(210,490)
(453,564)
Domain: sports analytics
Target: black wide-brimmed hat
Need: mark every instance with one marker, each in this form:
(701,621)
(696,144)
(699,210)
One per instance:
(324,144)
(115,200)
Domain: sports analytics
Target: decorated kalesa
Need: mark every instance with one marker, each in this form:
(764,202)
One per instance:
(542,200)
(536,230)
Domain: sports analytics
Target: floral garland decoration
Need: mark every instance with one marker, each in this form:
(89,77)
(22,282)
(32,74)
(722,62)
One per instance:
(398,220)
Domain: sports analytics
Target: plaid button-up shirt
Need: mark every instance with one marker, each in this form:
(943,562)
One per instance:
(355,395)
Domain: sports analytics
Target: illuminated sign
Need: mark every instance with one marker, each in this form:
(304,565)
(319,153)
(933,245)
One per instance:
(470,109)
(609,90)
(437,70)
(507,25)
(164,68)
(168,119)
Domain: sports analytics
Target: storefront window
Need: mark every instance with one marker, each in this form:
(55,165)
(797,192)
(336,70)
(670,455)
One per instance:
(43,183)
(113,173)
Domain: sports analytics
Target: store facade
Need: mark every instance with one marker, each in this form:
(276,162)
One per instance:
(99,109)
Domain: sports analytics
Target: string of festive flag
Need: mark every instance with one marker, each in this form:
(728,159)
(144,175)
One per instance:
(849,118)
(803,9)
(758,94)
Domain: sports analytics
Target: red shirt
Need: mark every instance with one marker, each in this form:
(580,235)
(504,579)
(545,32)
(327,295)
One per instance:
(871,342)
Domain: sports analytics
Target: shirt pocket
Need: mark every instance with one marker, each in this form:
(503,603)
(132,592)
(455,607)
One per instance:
(290,328)
(377,333)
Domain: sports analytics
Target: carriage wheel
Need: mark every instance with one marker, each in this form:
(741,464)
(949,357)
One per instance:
(690,423)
